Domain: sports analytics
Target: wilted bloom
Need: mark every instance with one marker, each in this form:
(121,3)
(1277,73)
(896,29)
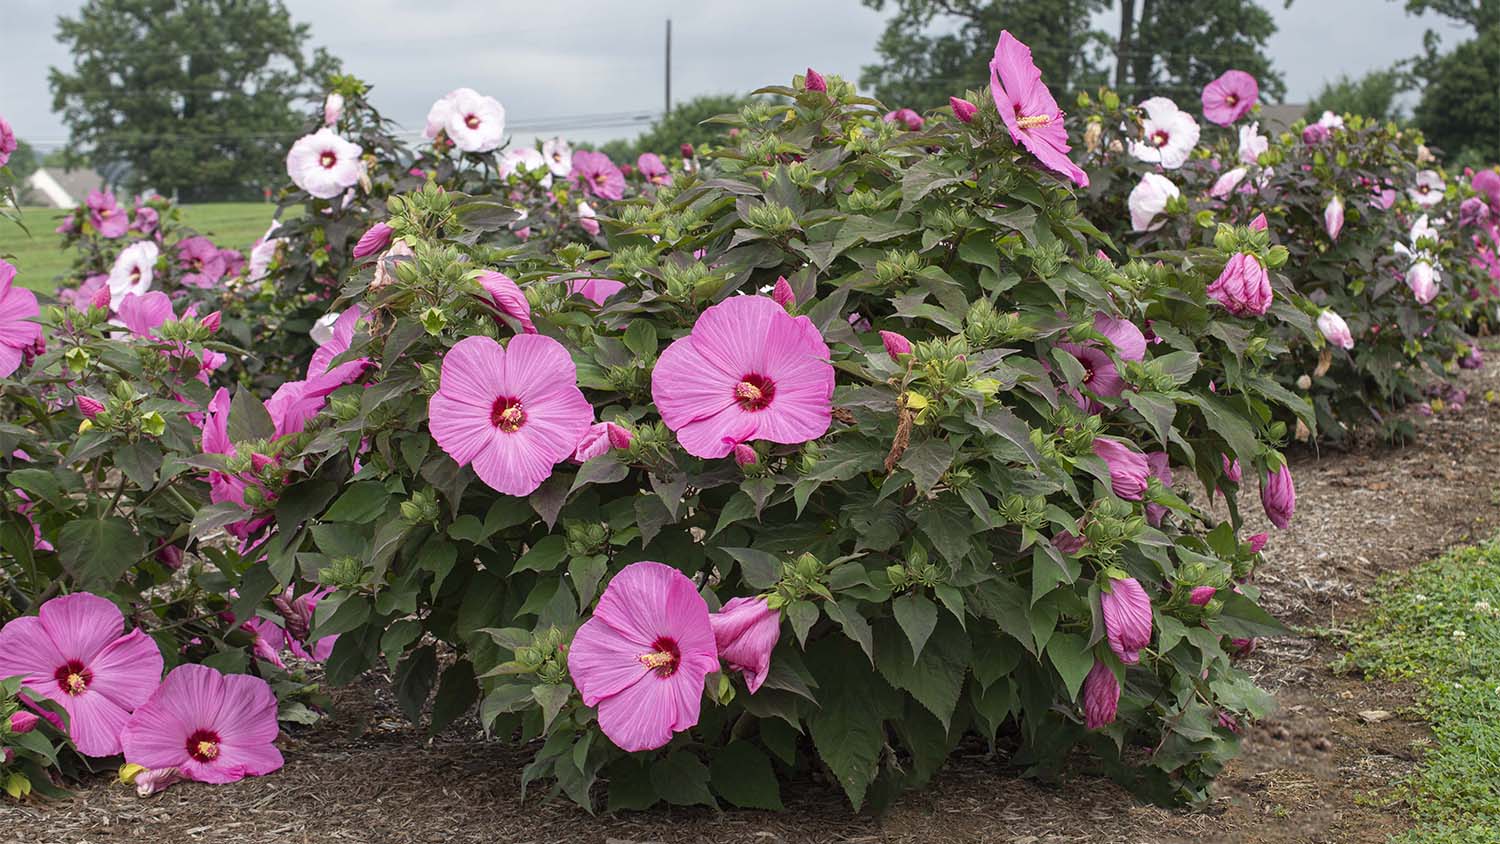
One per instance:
(1127,618)
(324,164)
(133,270)
(333,108)
(1252,143)
(20,335)
(506,297)
(1028,109)
(211,727)
(748,371)
(1335,330)
(641,657)
(1278,495)
(201,258)
(963,109)
(1232,469)
(1225,184)
(1243,288)
(596,175)
(907,118)
(106,215)
(73,652)
(652,169)
(375,240)
(1314,134)
(513,412)
(1473,359)
(559,156)
(600,438)
(1168,134)
(1473,211)
(8,142)
(586,219)
(1230,97)
(895,344)
(1101,696)
(1423,278)
(1257,542)
(1427,189)
(1148,201)
(1068,542)
(1333,217)
(146,220)
(746,631)
(782,293)
(1124,335)
(1128,469)
(814,81)
(1201,595)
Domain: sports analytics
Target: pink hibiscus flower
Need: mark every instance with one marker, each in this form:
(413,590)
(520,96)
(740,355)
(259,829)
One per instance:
(596,175)
(652,169)
(8,143)
(748,371)
(72,652)
(202,260)
(106,215)
(1230,97)
(506,297)
(642,656)
(343,336)
(19,335)
(596,290)
(746,631)
(210,727)
(1028,109)
(513,412)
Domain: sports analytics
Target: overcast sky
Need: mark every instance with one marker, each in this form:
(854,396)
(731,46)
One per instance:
(550,62)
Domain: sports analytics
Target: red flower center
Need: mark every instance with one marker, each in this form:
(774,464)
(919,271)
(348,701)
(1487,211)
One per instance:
(73,678)
(755,391)
(328,159)
(471,121)
(1231,99)
(600,179)
(1160,137)
(507,415)
(664,657)
(203,745)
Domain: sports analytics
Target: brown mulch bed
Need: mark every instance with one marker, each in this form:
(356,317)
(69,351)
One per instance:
(1314,773)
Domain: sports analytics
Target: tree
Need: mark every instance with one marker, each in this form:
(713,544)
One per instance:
(1371,95)
(1460,108)
(1480,14)
(683,126)
(193,97)
(933,48)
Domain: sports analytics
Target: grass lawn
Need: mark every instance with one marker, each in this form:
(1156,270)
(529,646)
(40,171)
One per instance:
(1439,627)
(41,259)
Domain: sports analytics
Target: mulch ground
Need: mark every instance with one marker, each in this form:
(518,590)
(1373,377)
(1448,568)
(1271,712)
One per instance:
(1320,771)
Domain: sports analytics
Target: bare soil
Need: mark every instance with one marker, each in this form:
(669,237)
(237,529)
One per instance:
(1320,771)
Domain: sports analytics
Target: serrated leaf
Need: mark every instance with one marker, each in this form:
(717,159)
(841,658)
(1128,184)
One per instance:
(935,678)
(96,552)
(682,780)
(917,616)
(743,775)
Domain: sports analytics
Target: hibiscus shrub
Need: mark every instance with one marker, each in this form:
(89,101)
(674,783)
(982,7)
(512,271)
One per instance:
(830,455)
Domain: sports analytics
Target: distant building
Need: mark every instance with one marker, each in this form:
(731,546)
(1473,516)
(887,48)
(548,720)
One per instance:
(52,187)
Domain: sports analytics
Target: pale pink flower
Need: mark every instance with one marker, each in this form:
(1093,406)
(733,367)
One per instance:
(1252,143)
(1333,217)
(1148,201)
(1101,696)
(506,297)
(1329,120)
(20,334)
(1423,279)
(1168,134)
(8,142)
(586,218)
(1243,288)
(73,652)
(1278,495)
(1225,184)
(133,270)
(600,438)
(559,156)
(1127,618)
(324,164)
(1335,330)
(522,160)
(149,781)
(1028,109)
(263,252)
(748,371)
(641,658)
(1128,469)
(376,239)
(211,727)
(472,121)
(746,631)
(513,412)
(596,175)
(1427,189)
(1230,97)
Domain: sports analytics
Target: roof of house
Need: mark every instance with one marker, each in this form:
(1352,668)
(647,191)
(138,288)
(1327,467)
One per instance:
(64,188)
(1278,117)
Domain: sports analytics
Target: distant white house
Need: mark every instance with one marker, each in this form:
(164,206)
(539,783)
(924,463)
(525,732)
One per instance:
(52,187)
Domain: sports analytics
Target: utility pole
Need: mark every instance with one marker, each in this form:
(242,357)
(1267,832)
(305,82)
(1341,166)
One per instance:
(668,108)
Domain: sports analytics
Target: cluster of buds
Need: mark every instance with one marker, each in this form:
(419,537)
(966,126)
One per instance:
(121,411)
(897,266)
(800,578)
(585,539)
(917,571)
(1112,524)
(421,508)
(545,656)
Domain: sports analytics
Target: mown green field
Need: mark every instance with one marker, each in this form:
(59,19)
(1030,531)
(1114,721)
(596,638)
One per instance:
(41,259)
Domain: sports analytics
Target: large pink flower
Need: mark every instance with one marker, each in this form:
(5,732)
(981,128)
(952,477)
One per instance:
(748,371)
(1124,335)
(1128,469)
(652,169)
(746,631)
(324,164)
(8,143)
(514,412)
(596,290)
(642,656)
(342,337)
(1028,109)
(202,260)
(1099,372)
(596,175)
(106,215)
(72,652)
(210,727)
(1127,618)
(1230,97)
(19,335)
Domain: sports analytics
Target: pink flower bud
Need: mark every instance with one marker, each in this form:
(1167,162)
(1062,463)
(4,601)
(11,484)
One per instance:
(1335,330)
(1127,618)
(1101,696)
(744,455)
(1333,217)
(1128,469)
(746,631)
(963,109)
(896,345)
(686,150)
(89,407)
(1243,647)
(23,722)
(101,298)
(170,556)
(333,108)
(1230,723)
(1259,223)
(599,439)
(150,782)
(507,298)
(213,321)
(375,240)
(783,295)
(1231,468)
(1279,497)
(907,118)
(258,462)
(1257,542)
(1201,595)
(815,81)
(1243,288)
(1068,542)
(1314,134)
